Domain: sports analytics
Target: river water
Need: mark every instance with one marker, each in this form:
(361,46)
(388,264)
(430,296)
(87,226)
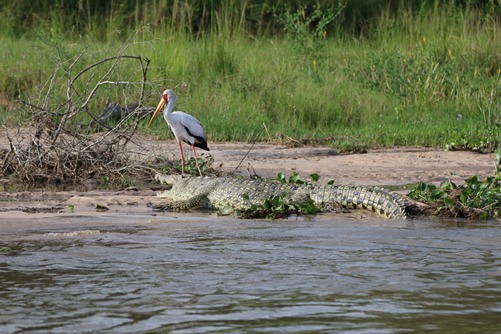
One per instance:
(199,273)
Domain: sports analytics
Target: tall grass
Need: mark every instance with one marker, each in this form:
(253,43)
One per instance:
(430,75)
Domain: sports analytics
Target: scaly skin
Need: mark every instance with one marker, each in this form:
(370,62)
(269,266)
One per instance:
(239,194)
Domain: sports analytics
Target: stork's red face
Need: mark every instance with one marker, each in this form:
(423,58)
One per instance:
(163,101)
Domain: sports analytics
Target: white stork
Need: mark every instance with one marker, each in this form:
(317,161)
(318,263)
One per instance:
(184,126)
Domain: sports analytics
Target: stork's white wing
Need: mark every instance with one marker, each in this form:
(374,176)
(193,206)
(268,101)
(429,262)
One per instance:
(190,123)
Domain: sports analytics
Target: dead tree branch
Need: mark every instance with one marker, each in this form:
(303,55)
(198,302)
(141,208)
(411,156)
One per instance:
(62,142)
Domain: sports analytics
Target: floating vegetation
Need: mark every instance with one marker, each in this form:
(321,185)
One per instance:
(476,199)
(279,207)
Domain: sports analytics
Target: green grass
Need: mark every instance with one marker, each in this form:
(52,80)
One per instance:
(428,76)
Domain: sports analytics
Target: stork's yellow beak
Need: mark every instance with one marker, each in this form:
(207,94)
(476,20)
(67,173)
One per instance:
(157,111)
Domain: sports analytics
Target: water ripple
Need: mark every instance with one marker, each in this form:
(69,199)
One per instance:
(231,276)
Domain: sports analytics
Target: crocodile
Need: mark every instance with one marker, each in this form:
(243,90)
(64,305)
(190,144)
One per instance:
(221,193)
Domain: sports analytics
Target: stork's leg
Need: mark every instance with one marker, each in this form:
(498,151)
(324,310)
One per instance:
(182,157)
(196,159)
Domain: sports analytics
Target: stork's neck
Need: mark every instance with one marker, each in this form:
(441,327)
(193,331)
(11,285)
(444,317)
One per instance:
(169,106)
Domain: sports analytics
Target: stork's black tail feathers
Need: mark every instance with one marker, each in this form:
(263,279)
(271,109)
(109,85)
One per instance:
(201,143)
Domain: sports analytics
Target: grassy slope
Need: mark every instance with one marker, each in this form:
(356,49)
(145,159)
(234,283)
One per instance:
(429,79)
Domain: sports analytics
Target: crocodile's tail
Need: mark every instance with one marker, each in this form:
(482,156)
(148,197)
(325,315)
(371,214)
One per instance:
(379,200)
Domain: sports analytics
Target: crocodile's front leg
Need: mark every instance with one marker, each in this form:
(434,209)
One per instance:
(192,195)
(197,201)
(167,179)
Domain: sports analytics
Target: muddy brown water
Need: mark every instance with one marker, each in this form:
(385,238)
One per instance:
(199,273)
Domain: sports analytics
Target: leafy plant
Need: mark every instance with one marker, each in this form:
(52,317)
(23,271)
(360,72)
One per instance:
(295,178)
(117,181)
(308,30)
(482,139)
(105,180)
(191,167)
(476,199)
(279,206)
(5,249)
(124,181)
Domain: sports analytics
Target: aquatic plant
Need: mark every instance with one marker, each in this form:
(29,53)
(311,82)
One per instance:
(278,207)
(476,199)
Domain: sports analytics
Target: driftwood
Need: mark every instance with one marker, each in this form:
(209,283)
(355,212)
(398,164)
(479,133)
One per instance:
(61,142)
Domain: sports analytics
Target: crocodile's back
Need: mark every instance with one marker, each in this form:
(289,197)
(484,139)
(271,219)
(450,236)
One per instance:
(379,200)
(240,193)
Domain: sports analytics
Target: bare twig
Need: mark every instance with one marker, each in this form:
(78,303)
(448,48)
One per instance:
(248,151)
